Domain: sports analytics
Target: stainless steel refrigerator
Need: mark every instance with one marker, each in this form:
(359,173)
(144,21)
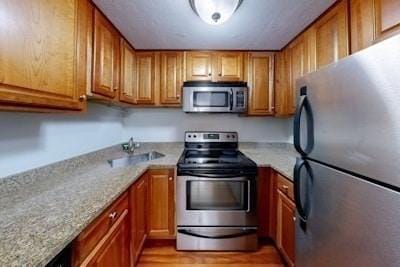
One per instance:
(347,180)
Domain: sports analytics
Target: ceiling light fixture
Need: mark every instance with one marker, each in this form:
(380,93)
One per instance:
(215,12)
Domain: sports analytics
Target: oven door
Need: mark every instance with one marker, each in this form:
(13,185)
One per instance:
(207,99)
(203,201)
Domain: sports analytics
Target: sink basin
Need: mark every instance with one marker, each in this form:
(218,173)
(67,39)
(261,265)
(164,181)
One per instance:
(135,159)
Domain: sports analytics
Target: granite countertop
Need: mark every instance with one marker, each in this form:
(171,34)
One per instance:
(43,210)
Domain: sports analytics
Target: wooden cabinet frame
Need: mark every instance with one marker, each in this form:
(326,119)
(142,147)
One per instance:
(105,85)
(264,95)
(36,87)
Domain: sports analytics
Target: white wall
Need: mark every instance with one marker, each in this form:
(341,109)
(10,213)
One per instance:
(31,140)
(170,124)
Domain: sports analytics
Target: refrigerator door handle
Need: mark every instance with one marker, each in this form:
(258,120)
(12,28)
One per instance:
(302,210)
(304,104)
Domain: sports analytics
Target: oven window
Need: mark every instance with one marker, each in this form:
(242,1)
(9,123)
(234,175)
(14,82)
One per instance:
(217,195)
(210,99)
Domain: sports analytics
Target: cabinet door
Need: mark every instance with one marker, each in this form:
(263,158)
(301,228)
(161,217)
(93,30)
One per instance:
(138,201)
(171,78)
(161,204)
(198,66)
(361,24)
(43,54)
(387,15)
(281,84)
(285,227)
(298,61)
(264,198)
(105,58)
(145,77)
(261,83)
(331,36)
(113,249)
(228,66)
(128,74)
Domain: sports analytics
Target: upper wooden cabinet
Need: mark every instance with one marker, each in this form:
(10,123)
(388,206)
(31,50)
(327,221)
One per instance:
(171,76)
(43,54)
(214,66)
(261,83)
(198,66)
(387,18)
(330,40)
(372,21)
(361,24)
(145,80)
(106,57)
(227,66)
(161,218)
(128,73)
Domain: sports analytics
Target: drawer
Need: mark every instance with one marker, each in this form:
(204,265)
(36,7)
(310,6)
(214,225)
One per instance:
(97,229)
(285,186)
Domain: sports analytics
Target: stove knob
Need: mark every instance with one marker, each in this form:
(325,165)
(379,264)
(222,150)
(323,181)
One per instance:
(189,136)
(228,136)
(194,136)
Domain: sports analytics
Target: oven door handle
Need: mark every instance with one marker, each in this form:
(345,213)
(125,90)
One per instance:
(239,234)
(211,175)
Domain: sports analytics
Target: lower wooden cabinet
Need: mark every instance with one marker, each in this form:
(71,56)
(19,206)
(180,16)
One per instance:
(105,242)
(264,183)
(285,217)
(138,204)
(117,236)
(161,217)
(113,249)
(276,211)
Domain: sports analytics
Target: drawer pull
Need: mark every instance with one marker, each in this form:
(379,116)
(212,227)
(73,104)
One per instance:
(113,215)
(285,189)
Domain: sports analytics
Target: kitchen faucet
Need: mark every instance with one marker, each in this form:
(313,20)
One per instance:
(130,146)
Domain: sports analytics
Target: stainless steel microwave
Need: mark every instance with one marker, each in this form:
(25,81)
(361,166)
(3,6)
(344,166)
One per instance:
(215,97)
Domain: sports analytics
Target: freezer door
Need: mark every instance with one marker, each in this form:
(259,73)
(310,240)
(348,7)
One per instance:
(351,222)
(355,107)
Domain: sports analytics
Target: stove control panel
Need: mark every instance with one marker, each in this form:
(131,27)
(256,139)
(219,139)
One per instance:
(204,137)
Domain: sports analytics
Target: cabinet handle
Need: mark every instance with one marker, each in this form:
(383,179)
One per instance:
(82,98)
(209,74)
(113,215)
(220,74)
(170,178)
(294,218)
(285,189)
(178,96)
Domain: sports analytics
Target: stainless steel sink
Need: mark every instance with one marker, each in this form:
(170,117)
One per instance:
(135,159)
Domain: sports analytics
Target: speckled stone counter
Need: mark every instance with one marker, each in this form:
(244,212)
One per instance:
(43,210)
(279,156)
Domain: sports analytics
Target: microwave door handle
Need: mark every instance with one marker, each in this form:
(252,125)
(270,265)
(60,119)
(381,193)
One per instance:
(231,99)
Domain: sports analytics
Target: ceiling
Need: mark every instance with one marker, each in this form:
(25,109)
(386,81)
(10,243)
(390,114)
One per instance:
(171,24)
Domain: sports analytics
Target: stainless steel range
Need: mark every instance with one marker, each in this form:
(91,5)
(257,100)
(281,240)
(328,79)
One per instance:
(216,194)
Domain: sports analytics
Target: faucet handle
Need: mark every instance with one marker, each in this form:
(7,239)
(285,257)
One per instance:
(125,146)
